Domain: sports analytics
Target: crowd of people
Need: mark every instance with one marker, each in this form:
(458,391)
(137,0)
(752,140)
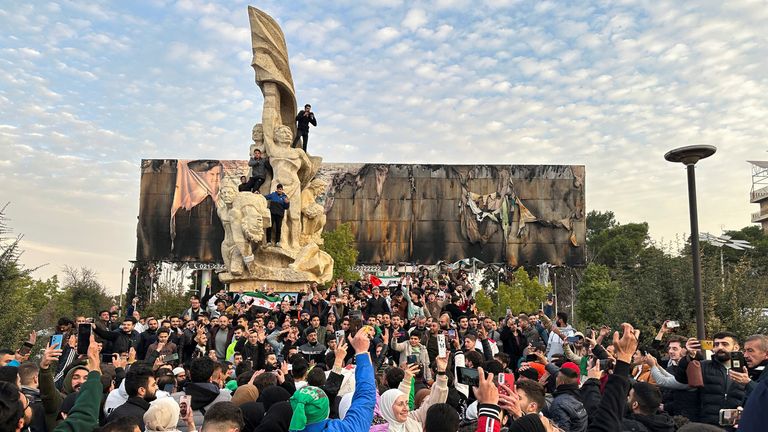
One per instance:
(415,356)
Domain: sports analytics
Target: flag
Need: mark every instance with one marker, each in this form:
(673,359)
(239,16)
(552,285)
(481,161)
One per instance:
(374,280)
(259,299)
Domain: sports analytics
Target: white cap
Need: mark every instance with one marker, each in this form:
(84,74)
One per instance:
(178,370)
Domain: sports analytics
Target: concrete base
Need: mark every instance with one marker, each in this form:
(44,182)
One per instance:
(257,285)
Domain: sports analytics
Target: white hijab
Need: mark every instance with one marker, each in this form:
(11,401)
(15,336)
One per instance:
(388,399)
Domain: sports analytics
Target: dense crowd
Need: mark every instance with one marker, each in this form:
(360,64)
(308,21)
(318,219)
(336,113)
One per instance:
(414,356)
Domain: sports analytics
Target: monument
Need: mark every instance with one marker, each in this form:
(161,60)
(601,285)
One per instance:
(190,211)
(296,260)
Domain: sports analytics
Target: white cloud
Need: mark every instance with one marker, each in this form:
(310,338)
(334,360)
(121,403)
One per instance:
(414,19)
(609,85)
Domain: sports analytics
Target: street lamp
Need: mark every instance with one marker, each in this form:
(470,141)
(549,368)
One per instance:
(688,156)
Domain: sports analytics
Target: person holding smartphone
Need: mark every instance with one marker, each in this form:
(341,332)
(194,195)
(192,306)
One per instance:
(719,391)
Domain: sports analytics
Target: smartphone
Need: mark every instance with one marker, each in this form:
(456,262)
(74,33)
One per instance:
(184,403)
(672,324)
(339,337)
(83,338)
(412,359)
(452,334)
(25,349)
(707,345)
(468,376)
(441,348)
(729,417)
(56,341)
(737,361)
(508,380)
(106,358)
(170,357)
(290,367)
(572,339)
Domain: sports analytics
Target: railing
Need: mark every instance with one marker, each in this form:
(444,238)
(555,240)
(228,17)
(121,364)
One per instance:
(758,194)
(759,217)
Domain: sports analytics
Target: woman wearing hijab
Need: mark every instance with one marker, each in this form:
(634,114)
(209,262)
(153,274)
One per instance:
(394,403)
(163,415)
(245,393)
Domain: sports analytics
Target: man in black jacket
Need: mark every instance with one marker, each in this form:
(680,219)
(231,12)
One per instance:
(376,304)
(720,391)
(147,338)
(303,119)
(122,339)
(756,355)
(644,402)
(141,388)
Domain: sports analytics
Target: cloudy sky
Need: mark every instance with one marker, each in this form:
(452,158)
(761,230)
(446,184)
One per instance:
(89,88)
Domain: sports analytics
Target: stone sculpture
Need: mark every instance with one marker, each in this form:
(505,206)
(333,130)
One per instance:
(312,213)
(299,260)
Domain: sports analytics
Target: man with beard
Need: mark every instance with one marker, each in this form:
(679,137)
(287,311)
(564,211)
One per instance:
(719,391)
(147,338)
(644,401)
(141,388)
(123,339)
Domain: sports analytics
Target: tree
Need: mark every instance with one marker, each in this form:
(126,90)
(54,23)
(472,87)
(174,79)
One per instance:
(22,296)
(598,222)
(521,294)
(340,245)
(168,299)
(619,245)
(597,293)
(81,294)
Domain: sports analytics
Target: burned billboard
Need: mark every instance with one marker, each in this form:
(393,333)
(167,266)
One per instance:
(514,214)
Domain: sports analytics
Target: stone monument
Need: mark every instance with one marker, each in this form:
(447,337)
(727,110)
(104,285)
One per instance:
(250,262)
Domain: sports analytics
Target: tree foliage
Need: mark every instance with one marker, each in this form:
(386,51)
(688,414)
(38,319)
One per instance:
(633,279)
(33,304)
(339,243)
(597,293)
(521,294)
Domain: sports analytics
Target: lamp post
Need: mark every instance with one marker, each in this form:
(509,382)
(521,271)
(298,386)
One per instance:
(688,156)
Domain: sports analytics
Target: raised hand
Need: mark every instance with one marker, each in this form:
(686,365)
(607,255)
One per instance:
(361,342)
(50,355)
(94,356)
(442,363)
(410,371)
(626,345)
(486,392)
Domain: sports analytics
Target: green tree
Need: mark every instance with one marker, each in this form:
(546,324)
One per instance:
(619,245)
(521,294)
(81,293)
(598,222)
(597,292)
(167,299)
(23,297)
(339,243)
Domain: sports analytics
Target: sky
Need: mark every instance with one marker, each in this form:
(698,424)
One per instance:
(88,88)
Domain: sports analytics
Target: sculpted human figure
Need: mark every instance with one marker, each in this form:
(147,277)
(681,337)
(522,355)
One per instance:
(223,209)
(243,217)
(286,163)
(312,213)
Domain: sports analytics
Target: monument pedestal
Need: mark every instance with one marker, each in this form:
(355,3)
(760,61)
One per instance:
(273,267)
(258,285)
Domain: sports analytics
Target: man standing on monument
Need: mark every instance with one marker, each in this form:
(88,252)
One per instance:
(303,119)
(278,204)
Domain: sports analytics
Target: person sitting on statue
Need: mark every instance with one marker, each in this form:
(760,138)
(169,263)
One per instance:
(243,186)
(303,119)
(278,204)
(259,167)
